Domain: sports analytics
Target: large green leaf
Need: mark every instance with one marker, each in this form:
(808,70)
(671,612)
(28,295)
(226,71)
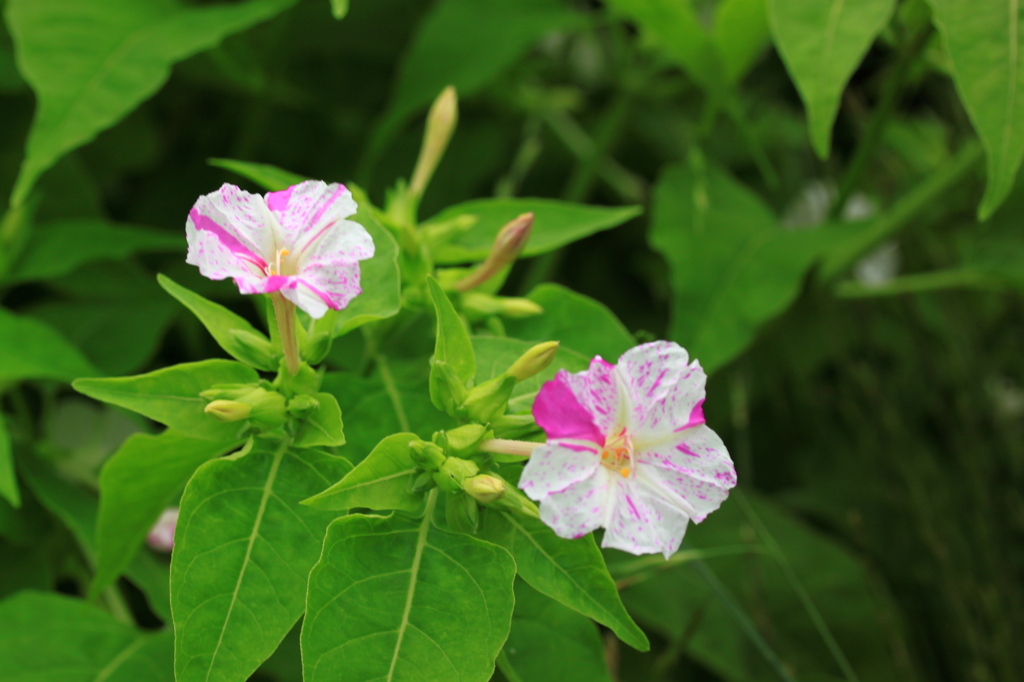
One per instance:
(383,481)
(550,643)
(171,395)
(579,322)
(59,248)
(77,509)
(137,483)
(985,43)
(45,637)
(242,551)
(323,428)
(569,571)
(431,605)
(555,224)
(8,479)
(233,333)
(733,267)
(466,43)
(32,350)
(822,42)
(90,63)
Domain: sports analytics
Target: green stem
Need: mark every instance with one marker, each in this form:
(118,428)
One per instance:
(607,132)
(918,283)
(798,588)
(284,311)
(642,570)
(880,116)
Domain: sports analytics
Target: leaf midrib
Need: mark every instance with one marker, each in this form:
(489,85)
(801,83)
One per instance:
(118,660)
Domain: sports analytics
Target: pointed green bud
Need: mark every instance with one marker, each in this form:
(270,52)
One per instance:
(513,425)
(519,307)
(489,400)
(464,440)
(447,390)
(423,482)
(254,349)
(427,455)
(516,502)
(454,472)
(228,410)
(534,361)
(485,488)
(268,409)
(461,512)
(228,391)
(441,122)
(302,406)
(508,244)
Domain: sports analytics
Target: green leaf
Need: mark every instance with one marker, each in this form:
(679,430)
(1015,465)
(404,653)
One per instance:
(556,223)
(985,43)
(33,350)
(268,177)
(243,549)
(46,637)
(466,43)
(137,483)
(550,643)
(432,605)
(579,322)
(740,35)
(569,571)
(323,427)
(8,479)
(453,347)
(733,267)
(382,481)
(90,63)
(232,332)
(822,43)
(171,395)
(77,509)
(59,248)
(339,8)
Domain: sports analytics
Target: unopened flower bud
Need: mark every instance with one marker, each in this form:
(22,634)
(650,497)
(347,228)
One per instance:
(517,503)
(463,440)
(519,307)
(302,406)
(228,391)
(513,425)
(427,455)
(454,472)
(268,409)
(489,400)
(441,122)
(252,348)
(509,243)
(161,535)
(534,361)
(228,410)
(485,488)
(447,390)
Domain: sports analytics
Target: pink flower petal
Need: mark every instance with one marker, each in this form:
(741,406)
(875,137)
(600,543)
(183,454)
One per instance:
(161,535)
(334,284)
(307,212)
(666,389)
(555,466)
(557,410)
(643,523)
(598,389)
(579,508)
(696,467)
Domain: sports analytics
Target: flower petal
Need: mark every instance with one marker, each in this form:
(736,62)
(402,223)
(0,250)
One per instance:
(578,509)
(557,465)
(666,390)
(643,523)
(695,467)
(557,410)
(306,212)
(600,391)
(327,285)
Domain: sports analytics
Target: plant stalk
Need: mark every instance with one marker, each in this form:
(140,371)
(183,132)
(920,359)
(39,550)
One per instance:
(284,310)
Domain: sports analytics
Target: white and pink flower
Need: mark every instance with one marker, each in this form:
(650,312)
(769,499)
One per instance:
(296,241)
(628,451)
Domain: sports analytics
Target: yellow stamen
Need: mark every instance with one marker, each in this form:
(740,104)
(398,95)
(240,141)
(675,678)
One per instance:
(624,471)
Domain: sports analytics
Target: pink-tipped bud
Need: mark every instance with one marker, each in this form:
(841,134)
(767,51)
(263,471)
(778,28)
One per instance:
(161,535)
(509,243)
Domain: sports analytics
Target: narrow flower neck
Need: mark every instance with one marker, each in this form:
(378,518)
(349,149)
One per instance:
(284,310)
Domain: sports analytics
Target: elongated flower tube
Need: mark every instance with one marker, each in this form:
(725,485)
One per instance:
(628,451)
(296,242)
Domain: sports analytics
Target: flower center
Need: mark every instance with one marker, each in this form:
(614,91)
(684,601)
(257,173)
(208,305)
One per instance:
(617,454)
(275,267)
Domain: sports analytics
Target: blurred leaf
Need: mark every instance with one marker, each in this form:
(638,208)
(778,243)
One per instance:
(268,177)
(432,605)
(242,552)
(741,35)
(137,483)
(466,43)
(60,248)
(556,223)
(550,643)
(323,427)
(233,333)
(33,350)
(77,509)
(569,571)
(733,267)
(382,481)
(822,43)
(90,63)
(985,42)
(171,395)
(339,8)
(8,479)
(579,322)
(46,637)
